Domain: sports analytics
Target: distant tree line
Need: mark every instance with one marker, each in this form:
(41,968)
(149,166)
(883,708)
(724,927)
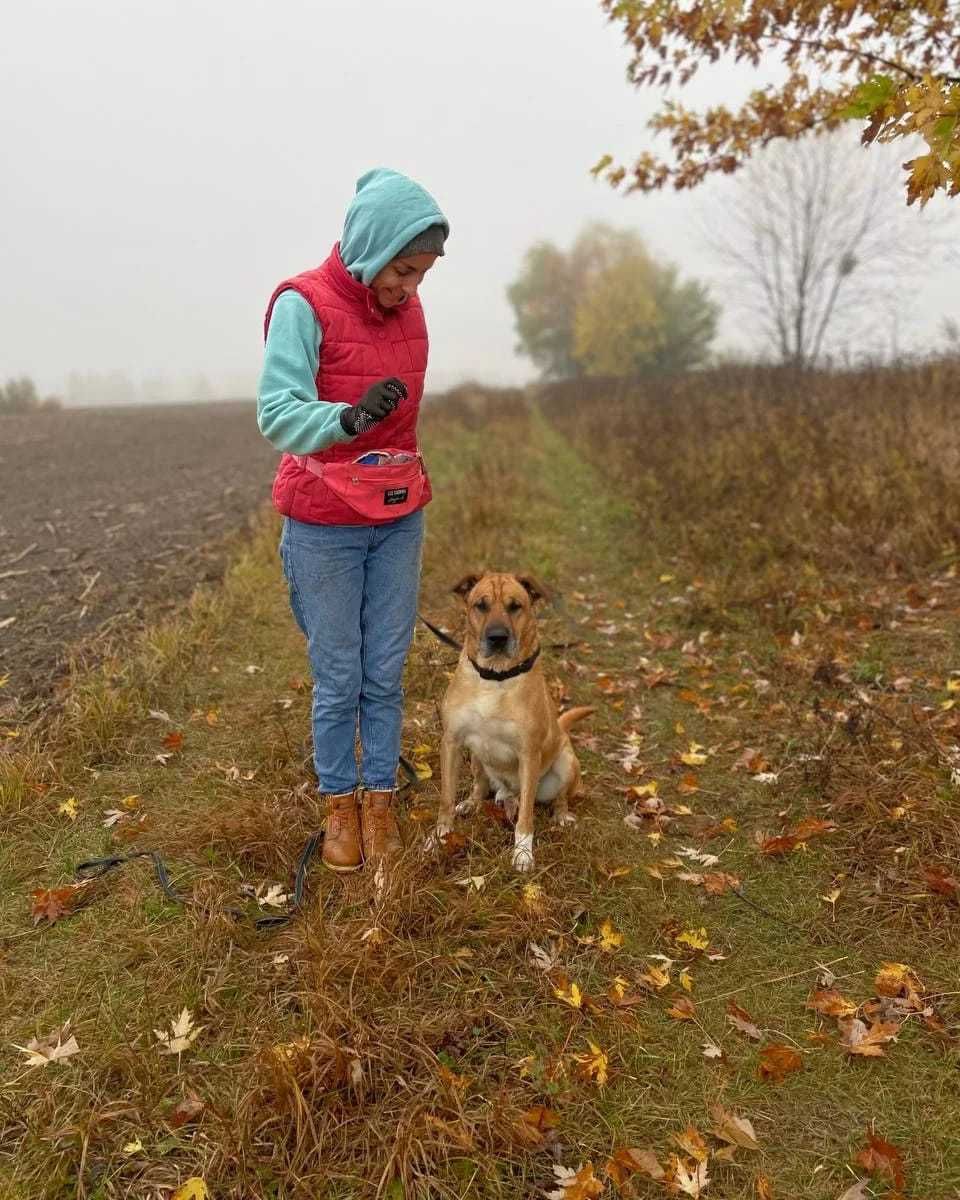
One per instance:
(21,396)
(609,307)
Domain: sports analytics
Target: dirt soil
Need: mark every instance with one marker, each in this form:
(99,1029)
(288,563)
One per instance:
(108,513)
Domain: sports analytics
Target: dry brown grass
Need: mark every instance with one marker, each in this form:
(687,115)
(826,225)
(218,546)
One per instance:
(750,469)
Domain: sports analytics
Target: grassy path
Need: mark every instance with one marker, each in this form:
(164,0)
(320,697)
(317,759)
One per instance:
(403,1040)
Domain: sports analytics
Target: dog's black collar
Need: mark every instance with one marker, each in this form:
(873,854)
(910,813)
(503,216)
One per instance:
(512,673)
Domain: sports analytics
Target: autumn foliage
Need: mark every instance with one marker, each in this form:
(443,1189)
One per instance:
(890,66)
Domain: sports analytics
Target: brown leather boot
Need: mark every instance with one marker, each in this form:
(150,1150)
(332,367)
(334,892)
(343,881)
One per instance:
(341,839)
(381,837)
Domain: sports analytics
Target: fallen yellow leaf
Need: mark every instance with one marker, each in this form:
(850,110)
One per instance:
(193,1189)
(610,937)
(696,939)
(593,1065)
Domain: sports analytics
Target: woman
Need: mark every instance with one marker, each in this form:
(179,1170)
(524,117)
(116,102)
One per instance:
(343,371)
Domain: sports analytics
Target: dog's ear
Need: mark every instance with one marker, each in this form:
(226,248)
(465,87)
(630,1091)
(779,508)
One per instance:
(466,586)
(536,591)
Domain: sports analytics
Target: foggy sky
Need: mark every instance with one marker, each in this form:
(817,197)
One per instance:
(167,163)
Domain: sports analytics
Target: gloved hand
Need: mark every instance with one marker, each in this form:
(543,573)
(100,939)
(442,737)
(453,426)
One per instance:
(377,402)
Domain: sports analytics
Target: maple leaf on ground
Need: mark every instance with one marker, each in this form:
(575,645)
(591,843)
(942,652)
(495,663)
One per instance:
(812,827)
(194,1189)
(741,1020)
(866,1041)
(189,1108)
(536,1126)
(654,978)
(777,1062)
(690,1179)
(633,1161)
(68,808)
(452,843)
(50,904)
(773,846)
(831,1003)
(715,884)
(610,937)
(880,1157)
(544,958)
(763,1188)
(939,880)
(711,1050)
(808,828)
(751,761)
(272,896)
(473,883)
(533,898)
(594,1065)
(698,856)
(683,1009)
(617,872)
(900,982)
(173,742)
(728,1127)
(696,939)
(183,1033)
(54,1047)
(569,993)
(580,1184)
(691,1142)
(620,997)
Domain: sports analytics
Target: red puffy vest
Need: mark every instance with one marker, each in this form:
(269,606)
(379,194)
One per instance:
(361,344)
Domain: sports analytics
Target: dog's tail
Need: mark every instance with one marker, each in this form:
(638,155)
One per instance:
(573,715)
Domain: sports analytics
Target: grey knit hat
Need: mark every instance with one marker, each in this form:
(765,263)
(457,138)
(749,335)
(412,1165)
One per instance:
(427,241)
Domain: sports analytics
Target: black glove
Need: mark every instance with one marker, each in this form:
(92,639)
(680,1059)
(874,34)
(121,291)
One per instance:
(377,402)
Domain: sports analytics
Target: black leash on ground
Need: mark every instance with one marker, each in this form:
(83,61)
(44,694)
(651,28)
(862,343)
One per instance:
(772,916)
(96,868)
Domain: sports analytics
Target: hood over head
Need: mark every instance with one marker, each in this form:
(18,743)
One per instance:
(388,212)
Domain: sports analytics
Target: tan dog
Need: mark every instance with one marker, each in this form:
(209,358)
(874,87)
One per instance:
(499,707)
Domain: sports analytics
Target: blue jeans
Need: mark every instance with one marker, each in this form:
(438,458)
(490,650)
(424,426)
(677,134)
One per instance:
(353,591)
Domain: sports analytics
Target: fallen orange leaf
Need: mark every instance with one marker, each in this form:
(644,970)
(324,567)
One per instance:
(683,1009)
(880,1157)
(831,1003)
(631,1161)
(778,1061)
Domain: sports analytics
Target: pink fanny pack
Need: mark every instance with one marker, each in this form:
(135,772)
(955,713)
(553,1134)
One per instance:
(381,485)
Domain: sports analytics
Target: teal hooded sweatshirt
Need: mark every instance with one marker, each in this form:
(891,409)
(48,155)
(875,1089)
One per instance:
(387,212)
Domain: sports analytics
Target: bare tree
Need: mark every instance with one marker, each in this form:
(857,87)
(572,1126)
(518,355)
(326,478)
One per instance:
(818,245)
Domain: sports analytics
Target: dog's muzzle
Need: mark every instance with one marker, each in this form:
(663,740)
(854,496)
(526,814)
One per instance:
(496,640)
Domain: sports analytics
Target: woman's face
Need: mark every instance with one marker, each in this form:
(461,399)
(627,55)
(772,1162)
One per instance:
(400,279)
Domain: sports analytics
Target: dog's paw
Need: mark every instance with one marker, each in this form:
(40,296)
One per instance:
(466,808)
(523,853)
(563,819)
(434,839)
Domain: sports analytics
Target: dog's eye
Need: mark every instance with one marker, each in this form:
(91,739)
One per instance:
(482,606)
(514,606)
